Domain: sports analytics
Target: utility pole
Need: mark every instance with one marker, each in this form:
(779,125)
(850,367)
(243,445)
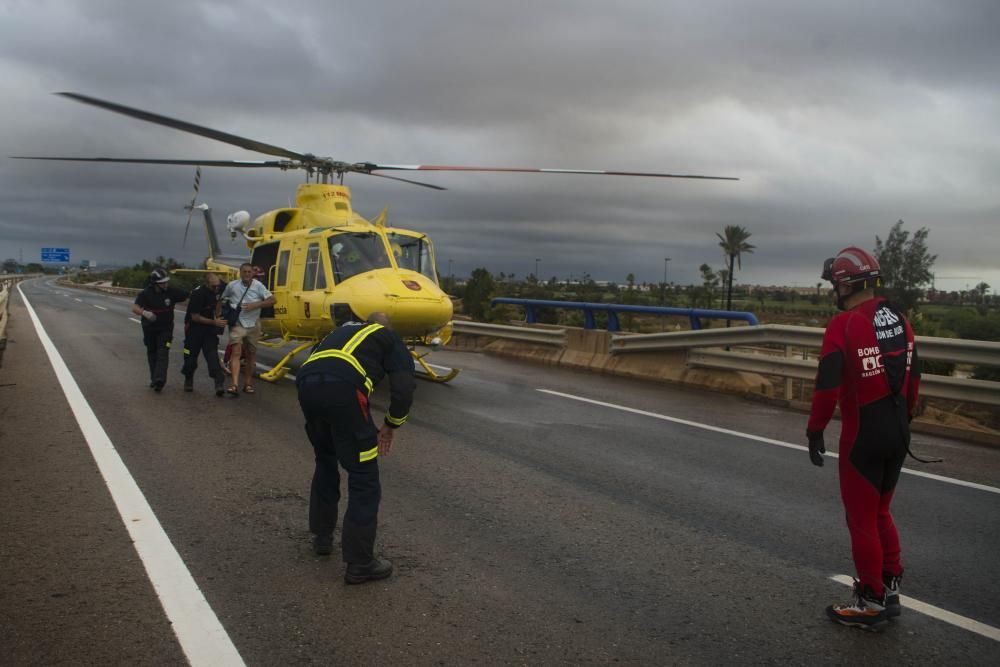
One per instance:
(663,291)
(537,260)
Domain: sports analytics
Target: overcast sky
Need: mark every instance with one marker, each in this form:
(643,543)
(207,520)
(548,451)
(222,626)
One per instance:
(839,118)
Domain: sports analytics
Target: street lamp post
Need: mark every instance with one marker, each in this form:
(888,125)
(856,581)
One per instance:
(663,291)
(537,260)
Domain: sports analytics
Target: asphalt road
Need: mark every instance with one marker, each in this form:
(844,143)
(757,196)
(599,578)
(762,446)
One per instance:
(526,527)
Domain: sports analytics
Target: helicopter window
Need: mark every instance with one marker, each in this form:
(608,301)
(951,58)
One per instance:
(320,274)
(412,253)
(282,219)
(283,267)
(314,277)
(351,254)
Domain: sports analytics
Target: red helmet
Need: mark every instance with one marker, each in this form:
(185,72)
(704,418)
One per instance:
(855,267)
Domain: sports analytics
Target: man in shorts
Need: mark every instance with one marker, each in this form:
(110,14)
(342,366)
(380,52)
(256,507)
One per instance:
(249,296)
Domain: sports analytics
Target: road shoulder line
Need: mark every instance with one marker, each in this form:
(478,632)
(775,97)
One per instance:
(201,635)
(757,438)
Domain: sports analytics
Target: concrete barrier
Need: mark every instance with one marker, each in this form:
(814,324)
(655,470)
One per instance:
(589,349)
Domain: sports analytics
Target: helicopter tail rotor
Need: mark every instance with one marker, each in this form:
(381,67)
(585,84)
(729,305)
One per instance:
(190,207)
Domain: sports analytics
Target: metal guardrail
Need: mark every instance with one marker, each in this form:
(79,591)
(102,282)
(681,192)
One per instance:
(7,282)
(932,386)
(704,351)
(4,313)
(978,352)
(107,289)
(612,310)
(678,340)
(538,336)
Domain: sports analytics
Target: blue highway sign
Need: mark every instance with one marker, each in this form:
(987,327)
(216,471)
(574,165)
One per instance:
(55,254)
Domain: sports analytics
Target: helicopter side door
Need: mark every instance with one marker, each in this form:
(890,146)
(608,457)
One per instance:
(265,258)
(278,281)
(309,285)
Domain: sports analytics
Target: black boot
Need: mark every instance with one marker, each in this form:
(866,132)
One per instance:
(220,384)
(323,545)
(189,383)
(378,568)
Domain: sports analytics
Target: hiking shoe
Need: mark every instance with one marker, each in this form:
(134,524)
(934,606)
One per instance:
(865,610)
(189,383)
(323,545)
(379,568)
(892,606)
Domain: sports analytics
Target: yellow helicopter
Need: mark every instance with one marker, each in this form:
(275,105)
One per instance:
(323,262)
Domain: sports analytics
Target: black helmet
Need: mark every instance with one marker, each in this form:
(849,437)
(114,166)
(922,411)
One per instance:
(159,275)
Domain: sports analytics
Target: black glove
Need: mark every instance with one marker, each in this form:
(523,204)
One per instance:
(816,447)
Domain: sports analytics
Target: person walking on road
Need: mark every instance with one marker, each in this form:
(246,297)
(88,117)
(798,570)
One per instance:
(869,364)
(334,386)
(202,326)
(155,305)
(247,296)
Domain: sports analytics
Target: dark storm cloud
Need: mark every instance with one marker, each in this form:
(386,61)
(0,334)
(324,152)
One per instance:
(840,118)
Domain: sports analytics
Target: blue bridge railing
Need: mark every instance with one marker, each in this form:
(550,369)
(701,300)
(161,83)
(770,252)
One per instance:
(612,309)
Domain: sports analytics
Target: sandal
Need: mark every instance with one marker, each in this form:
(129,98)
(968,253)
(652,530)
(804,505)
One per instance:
(233,391)
(248,389)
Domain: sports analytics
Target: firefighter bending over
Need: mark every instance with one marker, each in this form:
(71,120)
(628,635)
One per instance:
(334,386)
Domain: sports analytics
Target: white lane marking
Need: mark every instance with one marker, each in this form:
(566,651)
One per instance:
(201,635)
(952,618)
(135,320)
(99,307)
(769,441)
(75,299)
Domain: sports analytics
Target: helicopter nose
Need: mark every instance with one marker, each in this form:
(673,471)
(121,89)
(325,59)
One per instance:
(416,316)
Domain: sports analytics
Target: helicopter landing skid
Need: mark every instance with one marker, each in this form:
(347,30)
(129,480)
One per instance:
(428,373)
(281,368)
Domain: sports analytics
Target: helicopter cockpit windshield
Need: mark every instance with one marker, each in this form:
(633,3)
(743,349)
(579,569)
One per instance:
(354,253)
(413,253)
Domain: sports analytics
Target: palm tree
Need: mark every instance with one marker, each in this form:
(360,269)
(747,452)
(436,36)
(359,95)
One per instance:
(733,242)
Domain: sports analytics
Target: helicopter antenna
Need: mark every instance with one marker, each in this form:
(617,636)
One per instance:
(190,207)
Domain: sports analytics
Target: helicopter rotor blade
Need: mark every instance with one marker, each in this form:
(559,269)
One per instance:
(190,207)
(406,180)
(595,172)
(279,164)
(191,128)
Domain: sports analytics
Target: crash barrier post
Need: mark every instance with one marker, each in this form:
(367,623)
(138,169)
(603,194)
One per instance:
(694,315)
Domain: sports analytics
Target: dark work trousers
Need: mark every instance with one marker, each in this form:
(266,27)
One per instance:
(205,341)
(157,352)
(341,430)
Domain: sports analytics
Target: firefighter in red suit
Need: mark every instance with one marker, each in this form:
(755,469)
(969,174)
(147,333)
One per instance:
(869,364)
